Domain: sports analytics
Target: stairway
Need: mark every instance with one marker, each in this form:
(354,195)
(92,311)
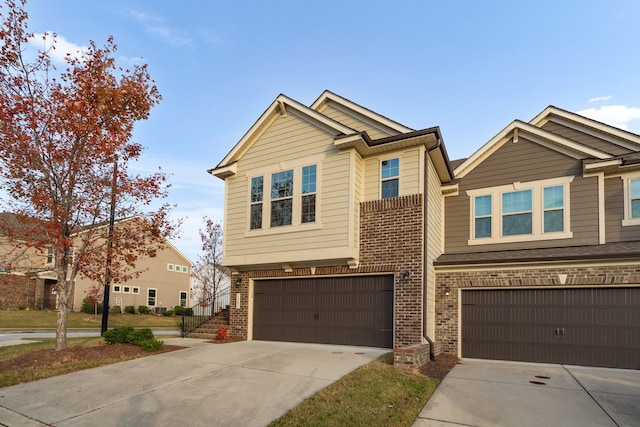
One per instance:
(209,329)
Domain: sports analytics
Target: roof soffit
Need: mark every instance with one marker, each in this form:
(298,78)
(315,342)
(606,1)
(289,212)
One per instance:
(534,134)
(378,121)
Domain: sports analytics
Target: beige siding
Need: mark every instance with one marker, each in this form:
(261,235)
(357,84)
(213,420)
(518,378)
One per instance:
(435,242)
(614,213)
(582,138)
(522,162)
(358,185)
(355,123)
(155,275)
(410,180)
(290,140)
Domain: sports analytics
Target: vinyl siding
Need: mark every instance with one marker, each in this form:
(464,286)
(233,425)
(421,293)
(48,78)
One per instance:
(289,140)
(583,138)
(435,242)
(614,213)
(410,180)
(358,124)
(523,162)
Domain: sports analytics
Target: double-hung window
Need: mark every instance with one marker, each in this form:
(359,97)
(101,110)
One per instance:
(389,176)
(631,201)
(536,210)
(286,197)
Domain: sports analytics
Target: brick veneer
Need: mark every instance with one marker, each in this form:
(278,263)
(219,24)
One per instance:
(391,241)
(18,290)
(588,275)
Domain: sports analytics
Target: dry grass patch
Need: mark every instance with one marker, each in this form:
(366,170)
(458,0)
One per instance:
(376,394)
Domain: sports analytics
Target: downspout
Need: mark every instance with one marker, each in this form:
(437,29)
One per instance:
(432,356)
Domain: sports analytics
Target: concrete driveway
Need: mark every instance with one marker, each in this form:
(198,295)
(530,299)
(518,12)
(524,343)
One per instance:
(246,383)
(493,393)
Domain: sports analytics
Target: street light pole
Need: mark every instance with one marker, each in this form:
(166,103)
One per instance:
(112,214)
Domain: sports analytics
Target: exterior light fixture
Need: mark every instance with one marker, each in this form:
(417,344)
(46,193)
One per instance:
(447,291)
(405,275)
(239,281)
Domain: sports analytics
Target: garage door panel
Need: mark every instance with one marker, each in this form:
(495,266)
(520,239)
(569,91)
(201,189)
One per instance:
(353,310)
(589,326)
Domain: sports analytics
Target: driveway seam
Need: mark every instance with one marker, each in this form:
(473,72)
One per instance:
(591,396)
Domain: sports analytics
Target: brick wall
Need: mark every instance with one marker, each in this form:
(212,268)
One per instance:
(17,290)
(447,307)
(391,241)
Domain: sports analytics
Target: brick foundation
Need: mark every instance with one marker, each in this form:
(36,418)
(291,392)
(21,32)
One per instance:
(411,357)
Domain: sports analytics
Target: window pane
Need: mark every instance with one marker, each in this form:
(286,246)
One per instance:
(390,188)
(390,168)
(516,224)
(256,189)
(281,212)
(309,179)
(483,205)
(256,216)
(516,201)
(554,197)
(282,184)
(635,188)
(483,227)
(635,209)
(309,208)
(553,221)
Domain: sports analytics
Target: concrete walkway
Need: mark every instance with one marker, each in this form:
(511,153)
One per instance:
(493,393)
(247,383)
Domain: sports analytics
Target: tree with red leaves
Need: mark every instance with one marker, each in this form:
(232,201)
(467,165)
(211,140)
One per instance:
(62,133)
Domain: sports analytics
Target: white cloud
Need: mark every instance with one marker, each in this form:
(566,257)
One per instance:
(615,115)
(63,47)
(600,98)
(155,25)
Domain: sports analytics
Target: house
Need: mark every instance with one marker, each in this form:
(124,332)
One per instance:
(343,226)
(27,276)
(333,216)
(162,284)
(207,280)
(542,246)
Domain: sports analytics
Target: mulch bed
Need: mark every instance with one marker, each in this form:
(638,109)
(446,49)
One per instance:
(439,368)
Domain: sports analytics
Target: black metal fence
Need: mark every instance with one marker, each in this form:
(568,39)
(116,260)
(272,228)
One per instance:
(204,311)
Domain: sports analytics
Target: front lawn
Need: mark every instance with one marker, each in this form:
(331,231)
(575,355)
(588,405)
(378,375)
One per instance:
(23,320)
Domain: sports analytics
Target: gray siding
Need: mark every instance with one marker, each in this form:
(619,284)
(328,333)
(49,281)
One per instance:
(522,162)
(583,138)
(614,213)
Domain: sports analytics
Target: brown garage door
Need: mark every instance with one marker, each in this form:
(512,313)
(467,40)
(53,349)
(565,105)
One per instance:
(591,327)
(337,310)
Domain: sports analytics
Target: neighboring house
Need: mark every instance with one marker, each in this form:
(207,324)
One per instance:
(343,226)
(163,284)
(202,283)
(542,246)
(333,215)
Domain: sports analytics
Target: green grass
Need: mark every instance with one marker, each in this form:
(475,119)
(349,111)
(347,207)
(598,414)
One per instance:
(23,320)
(376,394)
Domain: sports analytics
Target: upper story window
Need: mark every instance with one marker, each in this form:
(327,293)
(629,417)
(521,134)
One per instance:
(257,186)
(291,198)
(49,255)
(537,210)
(631,201)
(389,175)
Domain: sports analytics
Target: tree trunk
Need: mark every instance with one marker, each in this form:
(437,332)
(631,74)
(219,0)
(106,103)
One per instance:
(61,323)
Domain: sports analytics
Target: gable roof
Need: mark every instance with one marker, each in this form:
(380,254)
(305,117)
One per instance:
(533,131)
(282,105)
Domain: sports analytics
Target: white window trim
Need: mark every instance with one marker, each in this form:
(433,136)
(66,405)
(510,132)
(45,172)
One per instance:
(117,289)
(380,179)
(135,290)
(537,216)
(124,291)
(156,297)
(186,298)
(296,220)
(170,267)
(626,185)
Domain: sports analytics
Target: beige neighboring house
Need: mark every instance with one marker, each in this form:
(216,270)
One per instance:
(343,226)
(163,284)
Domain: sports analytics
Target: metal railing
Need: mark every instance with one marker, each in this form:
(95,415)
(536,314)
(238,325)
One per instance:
(204,311)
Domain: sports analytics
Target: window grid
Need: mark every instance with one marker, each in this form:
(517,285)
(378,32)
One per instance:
(389,174)
(308,194)
(281,198)
(257,194)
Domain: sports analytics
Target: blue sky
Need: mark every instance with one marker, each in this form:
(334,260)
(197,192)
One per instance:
(469,67)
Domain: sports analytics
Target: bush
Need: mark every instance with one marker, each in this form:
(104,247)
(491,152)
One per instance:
(22,307)
(130,309)
(126,334)
(143,309)
(89,306)
(222,333)
(116,309)
(168,313)
(188,311)
(178,310)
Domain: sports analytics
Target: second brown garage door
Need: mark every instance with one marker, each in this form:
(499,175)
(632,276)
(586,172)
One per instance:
(586,326)
(336,310)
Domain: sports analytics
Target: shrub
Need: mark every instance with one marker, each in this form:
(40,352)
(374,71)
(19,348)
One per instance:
(116,309)
(178,310)
(130,309)
(89,306)
(222,333)
(143,309)
(188,311)
(168,313)
(22,307)
(126,334)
